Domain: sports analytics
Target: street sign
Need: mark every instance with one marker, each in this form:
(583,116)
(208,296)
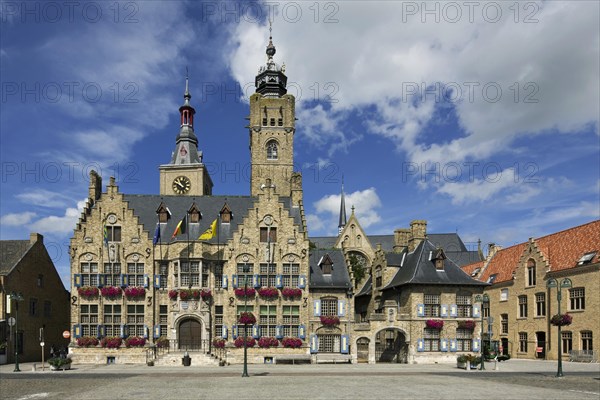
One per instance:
(11,321)
(66,334)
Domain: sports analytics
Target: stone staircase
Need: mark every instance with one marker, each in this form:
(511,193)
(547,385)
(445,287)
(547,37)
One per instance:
(174,359)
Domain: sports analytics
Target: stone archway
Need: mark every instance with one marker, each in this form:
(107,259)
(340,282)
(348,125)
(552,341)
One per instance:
(391,346)
(362,350)
(189,334)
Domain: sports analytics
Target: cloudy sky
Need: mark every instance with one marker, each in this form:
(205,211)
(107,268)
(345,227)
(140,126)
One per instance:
(480,117)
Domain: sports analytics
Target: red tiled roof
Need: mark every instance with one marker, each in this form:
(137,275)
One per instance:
(469,268)
(562,250)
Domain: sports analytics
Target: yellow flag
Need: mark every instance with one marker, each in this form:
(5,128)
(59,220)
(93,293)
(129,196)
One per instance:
(210,233)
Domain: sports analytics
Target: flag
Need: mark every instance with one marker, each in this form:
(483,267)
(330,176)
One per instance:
(156,237)
(210,233)
(105,233)
(181,227)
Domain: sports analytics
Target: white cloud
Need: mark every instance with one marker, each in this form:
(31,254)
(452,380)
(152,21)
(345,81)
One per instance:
(17,219)
(44,198)
(59,224)
(366,203)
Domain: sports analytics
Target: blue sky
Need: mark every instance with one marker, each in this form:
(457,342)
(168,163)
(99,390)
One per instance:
(481,119)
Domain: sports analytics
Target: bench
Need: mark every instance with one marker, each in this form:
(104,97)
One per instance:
(333,358)
(583,356)
(292,359)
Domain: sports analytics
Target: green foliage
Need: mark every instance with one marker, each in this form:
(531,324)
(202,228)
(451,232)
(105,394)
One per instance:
(58,362)
(358,269)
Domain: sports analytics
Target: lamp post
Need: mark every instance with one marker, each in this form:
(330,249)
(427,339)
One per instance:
(17,297)
(485,299)
(245,372)
(553,283)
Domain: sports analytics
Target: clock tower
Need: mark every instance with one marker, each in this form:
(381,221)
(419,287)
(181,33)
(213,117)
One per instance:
(185,175)
(272,127)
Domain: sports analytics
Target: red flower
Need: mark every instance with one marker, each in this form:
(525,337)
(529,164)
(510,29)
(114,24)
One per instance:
(195,294)
(268,292)
(87,341)
(206,294)
(561,320)
(219,343)
(434,323)
(266,342)
(173,294)
(250,292)
(132,292)
(88,291)
(239,342)
(247,318)
(330,320)
(135,341)
(291,342)
(291,292)
(111,291)
(185,294)
(111,342)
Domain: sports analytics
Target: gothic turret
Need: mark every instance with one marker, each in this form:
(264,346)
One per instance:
(186,149)
(271,80)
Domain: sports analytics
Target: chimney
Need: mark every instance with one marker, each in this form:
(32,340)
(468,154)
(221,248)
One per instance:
(418,231)
(95,189)
(401,239)
(493,248)
(35,237)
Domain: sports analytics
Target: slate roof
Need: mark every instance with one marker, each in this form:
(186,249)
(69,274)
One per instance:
(144,206)
(419,269)
(367,288)
(11,252)
(562,250)
(339,278)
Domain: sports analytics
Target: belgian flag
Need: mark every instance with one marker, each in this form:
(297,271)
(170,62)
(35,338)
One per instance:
(181,227)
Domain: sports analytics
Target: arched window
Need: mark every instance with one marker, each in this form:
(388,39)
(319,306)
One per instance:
(272,150)
(531,273)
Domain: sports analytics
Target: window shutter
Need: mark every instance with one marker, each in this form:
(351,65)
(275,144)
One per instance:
(420,345)
(314,343)
(444,311)
(234,281)
(444,345)
(234,331)
(345,345)
(453,310)
(100,331)
(123,280)
(77,280)
(302,332)
(256,281)
(224,332)
(124,331)
(278,281)
(476,311)
(157,281)
(146,332)
(77,330)
(146,281)
(279,332)
(420,310)
(452,344)
(156,331)
(302,281)
(100,278)
(255,331)
(341,308)
(317,308)
(224,282)
(476,346)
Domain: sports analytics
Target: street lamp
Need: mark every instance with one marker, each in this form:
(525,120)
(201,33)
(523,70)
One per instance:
(485,299)
(17,297)
(553,283)
(246,270)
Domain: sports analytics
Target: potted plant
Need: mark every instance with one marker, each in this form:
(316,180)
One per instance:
(87,341)
(247,318)
(468,324)
(135,341)
(88,291)
(219,343)
(110,291)
(291,293)
(330,320)
(467,361)
(57,363)
(111,342)
(239,292)
(266,342)
(268,293)
(135,292)
(561,320)
(173,295)
(434,324)
(239,342)
(291,342)
(206,294)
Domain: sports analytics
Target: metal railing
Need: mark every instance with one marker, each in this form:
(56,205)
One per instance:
(583,355)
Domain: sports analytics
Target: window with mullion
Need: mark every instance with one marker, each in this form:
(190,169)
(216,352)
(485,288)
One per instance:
(113,233)
(218,275)
(523,342)
(163,315)
(242,276)
(135,319)
(463,305)
(432,339)
(291,275)
(329,343)
(268,320)
(329,307)
(522,306)
(577,299)
(218,321)
(112,319)
(88,318)
(163,270)
(567,342)
(432,305)
(587,344)
(464,338)
(540,304)
(504,323)
(135,274)
(112,272)
(268,274)
(291,320)
(89,274)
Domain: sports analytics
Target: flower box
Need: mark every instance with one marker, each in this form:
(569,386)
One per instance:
(330,320)
(561,320)
(239,342)
(468,324)
(291,293)
(291,342)
(434,324)
(185,294)
(162,342)
(135,341)
(268,293)
(111,291)
(206,294)
(219,343)
(88,291)
(266,342)
(57,363)
(173,294)
(87,341)
(134,292)
(247,318)
(111,342)
(195,294)
(250,292)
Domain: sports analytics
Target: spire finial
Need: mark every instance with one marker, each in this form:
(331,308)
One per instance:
(342,220)
(270,48)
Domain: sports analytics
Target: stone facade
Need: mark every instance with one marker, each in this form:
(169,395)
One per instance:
(27,268)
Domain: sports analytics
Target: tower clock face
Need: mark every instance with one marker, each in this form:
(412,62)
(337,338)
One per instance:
(181,185)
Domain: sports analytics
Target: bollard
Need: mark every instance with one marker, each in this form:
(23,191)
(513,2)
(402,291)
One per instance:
(33,368)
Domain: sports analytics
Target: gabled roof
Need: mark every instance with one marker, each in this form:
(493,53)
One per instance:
(419,268)
(562,249)
(367,288)
(11,252)
(339,278)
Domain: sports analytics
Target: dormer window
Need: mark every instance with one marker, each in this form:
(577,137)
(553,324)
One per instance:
(439,264)
(272,150)
(326,264)
(438,259)
(586,258)
(194,213)
(226,214)
(163,213)
(492,278)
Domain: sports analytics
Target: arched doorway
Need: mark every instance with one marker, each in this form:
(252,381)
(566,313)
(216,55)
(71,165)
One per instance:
(362,350)
(391,346)
(190,334)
